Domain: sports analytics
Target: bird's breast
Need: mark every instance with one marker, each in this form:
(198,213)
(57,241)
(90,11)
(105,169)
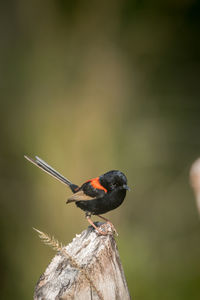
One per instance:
(116,198)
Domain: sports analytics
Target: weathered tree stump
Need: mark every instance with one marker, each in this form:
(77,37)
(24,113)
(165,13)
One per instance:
(88,268)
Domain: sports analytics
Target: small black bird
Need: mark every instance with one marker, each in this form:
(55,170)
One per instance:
(96,196)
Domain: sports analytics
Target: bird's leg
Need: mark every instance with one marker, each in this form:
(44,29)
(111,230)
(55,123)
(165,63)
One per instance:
(93,225)
(111,224)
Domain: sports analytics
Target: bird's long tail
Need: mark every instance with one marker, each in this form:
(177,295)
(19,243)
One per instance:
(48,169)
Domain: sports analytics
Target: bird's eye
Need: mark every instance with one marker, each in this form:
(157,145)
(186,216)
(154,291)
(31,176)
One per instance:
(115,185)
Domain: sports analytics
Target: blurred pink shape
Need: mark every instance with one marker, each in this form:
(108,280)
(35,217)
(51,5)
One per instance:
(195,180)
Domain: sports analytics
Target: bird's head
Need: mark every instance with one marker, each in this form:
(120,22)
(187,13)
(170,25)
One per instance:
(114,180)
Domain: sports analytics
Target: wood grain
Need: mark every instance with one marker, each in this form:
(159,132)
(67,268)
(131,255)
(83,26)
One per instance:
(88,268)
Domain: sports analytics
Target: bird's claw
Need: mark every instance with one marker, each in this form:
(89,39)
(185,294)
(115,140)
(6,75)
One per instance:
(109,230)
(113,228)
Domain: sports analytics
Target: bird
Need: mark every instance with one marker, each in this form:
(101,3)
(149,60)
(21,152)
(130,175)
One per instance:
(96,196)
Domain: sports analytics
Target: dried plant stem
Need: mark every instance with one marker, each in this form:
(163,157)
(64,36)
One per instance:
(57,246)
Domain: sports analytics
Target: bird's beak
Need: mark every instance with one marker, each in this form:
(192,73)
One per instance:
(126,187)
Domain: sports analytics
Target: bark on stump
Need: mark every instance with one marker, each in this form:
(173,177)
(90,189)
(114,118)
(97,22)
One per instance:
(88,268)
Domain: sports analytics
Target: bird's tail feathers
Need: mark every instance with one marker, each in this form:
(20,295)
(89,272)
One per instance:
(48,169)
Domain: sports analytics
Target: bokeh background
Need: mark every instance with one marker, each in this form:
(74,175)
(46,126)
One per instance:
(91,86)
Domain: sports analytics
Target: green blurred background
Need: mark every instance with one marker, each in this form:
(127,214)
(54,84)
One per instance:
(91,86)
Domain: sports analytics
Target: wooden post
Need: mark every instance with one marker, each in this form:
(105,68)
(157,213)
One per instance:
(89,268)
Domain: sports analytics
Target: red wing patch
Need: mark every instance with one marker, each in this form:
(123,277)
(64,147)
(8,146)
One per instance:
(97,185)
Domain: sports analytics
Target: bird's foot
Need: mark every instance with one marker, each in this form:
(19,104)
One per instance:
(106,230)
(111,225)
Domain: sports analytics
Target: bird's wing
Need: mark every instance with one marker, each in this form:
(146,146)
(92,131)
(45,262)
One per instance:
(80,196)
